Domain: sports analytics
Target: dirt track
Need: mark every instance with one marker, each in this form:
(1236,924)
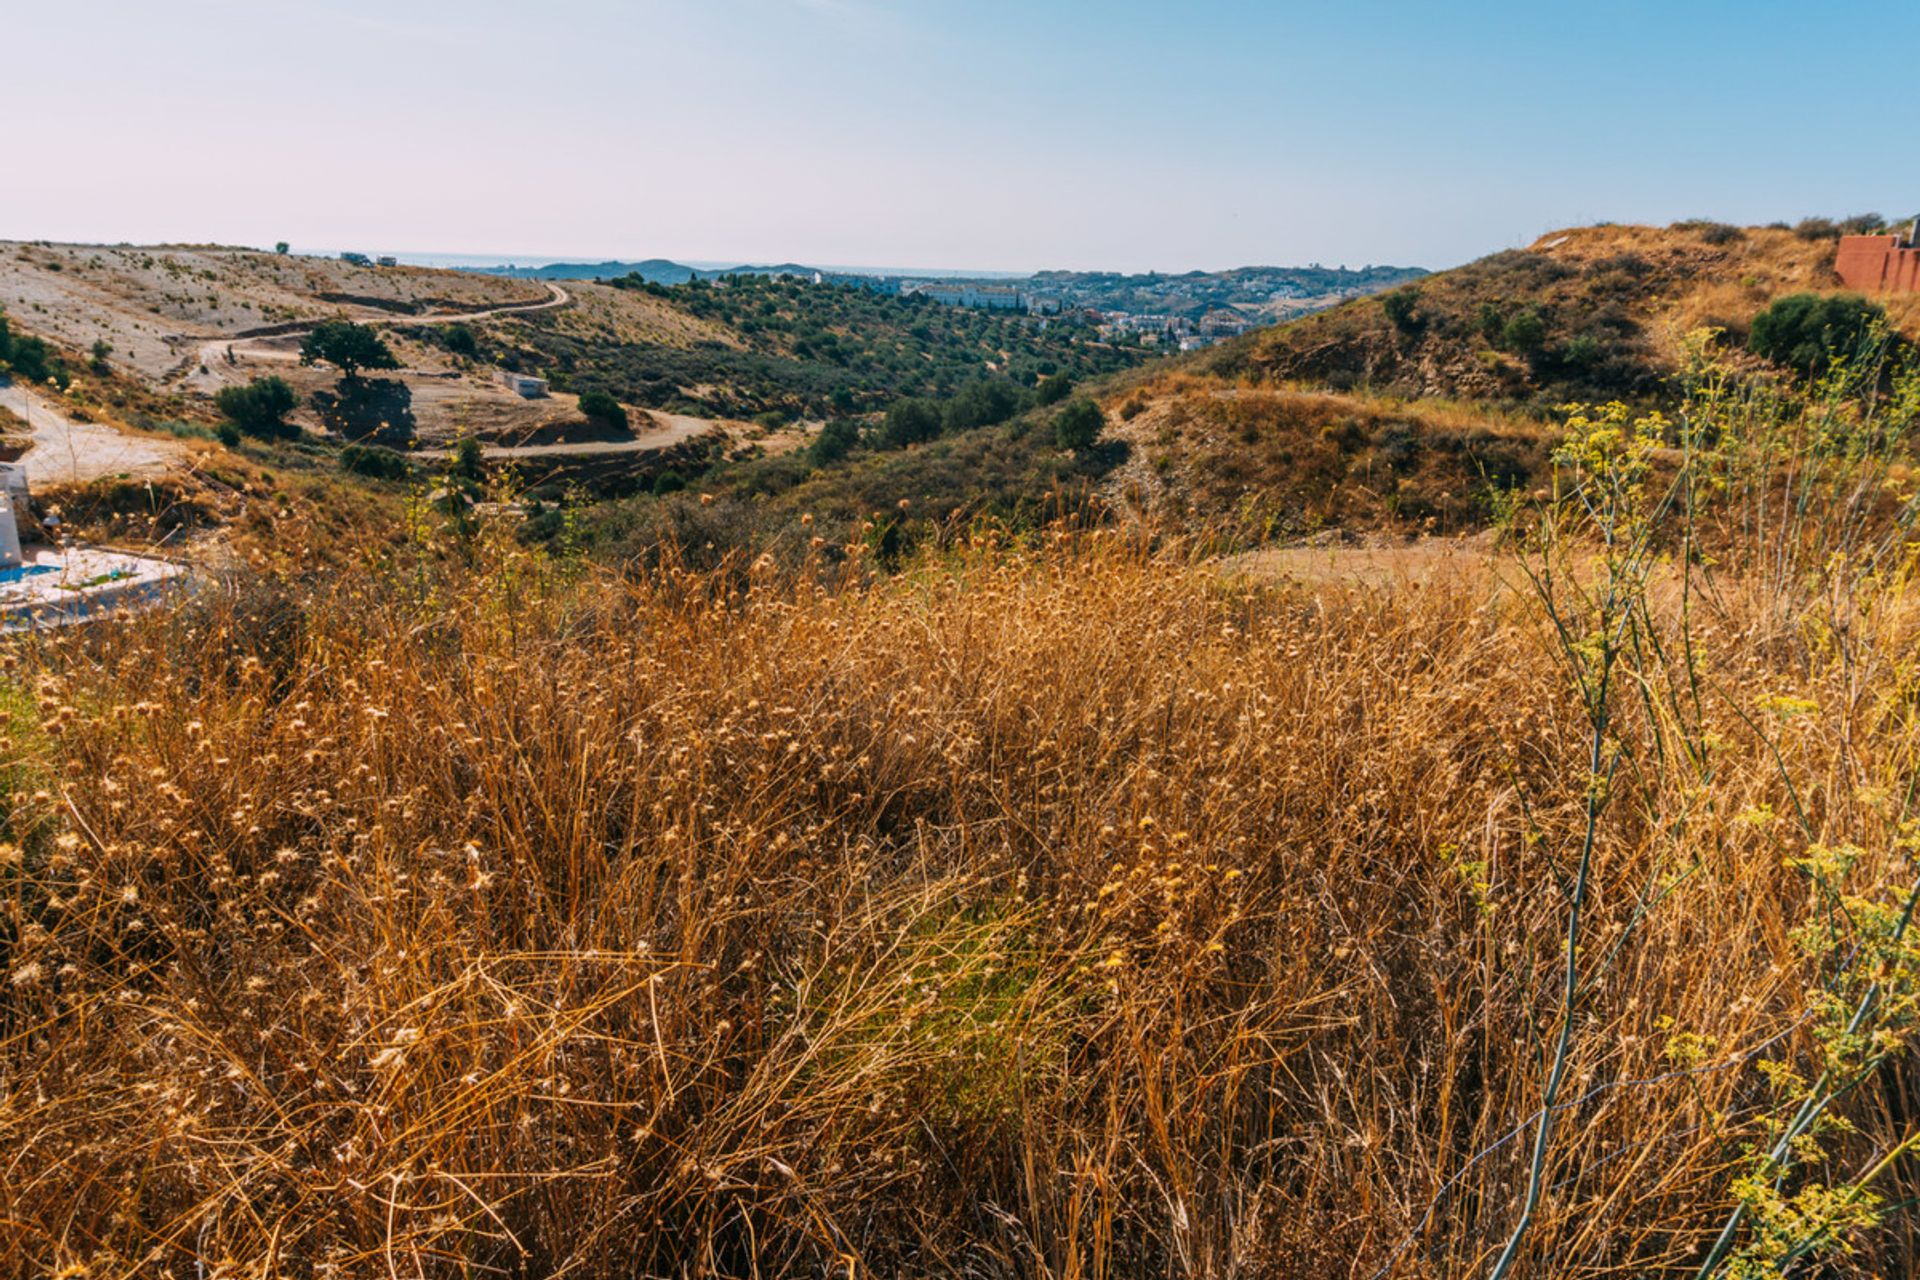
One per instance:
(219,355)
(66,451)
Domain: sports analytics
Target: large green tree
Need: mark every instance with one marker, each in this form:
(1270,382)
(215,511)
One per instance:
(348,347)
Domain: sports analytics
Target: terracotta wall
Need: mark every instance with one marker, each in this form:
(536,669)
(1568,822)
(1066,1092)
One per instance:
(1878,264)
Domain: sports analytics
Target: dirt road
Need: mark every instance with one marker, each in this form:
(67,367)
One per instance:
(66,451)
(219,353)
(669,429)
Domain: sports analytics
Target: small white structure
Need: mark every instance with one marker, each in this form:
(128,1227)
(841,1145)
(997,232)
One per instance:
(13,478)
(9,531)
(524,384)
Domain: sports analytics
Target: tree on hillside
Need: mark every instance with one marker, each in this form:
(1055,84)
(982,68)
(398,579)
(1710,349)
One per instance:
(282,248)
(1078,426)
(259,408)
(909,422)
(835,441)
(1807,330)
(983,403)
(348,347)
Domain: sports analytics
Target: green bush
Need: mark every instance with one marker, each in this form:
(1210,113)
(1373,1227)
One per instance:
(835,441)
(227,434)
(1078,426)
(1718,233)
(374,462)
(1493,321)
(1053,390)
(1582,352)
(600,407)
(459,339)
(259,408)
(1807,330)
(1401,307)
(1525,332)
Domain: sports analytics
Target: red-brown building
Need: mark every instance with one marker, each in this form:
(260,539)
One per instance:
(1879,264)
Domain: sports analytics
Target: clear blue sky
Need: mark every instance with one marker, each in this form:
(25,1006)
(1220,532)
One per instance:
(1011,134)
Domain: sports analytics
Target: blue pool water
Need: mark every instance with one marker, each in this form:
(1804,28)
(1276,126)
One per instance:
(23,572)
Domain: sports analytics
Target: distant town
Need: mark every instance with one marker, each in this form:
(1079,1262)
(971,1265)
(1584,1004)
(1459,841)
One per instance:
(1185,311)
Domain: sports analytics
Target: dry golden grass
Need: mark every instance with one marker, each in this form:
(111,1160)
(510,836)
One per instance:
(1050,909)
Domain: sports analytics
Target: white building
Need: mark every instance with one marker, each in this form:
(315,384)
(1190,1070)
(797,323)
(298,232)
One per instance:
(990,297)
(13,479)
(13,509)
(524,384)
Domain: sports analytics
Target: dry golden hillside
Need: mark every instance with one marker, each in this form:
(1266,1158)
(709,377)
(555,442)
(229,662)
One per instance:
(1408,411)
(157,304)
(1587,314)
(1051,909)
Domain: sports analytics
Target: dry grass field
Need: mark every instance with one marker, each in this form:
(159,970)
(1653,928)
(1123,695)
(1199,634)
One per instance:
(1055,907)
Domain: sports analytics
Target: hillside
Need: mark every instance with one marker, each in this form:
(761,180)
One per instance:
(799,874)
(155,305)
(800,350)
(1590,313)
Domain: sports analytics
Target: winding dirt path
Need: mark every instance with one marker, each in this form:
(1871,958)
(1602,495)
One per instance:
(217,354)
(68,451)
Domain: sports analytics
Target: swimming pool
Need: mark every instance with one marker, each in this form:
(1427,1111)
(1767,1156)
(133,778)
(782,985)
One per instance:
(23,572)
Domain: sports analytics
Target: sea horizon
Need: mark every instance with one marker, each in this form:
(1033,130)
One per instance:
(481,261)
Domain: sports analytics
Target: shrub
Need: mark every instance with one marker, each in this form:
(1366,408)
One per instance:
(374,462)
(1401,308)
(1816,229)
(227,434)
(1582,352)
(1525,332)
(1807,330)
(600,407)
(835,441)
(1078,425)
(460,340)
(1052,390)
(669,482)
(260,407)
(34,360)
(1493,321)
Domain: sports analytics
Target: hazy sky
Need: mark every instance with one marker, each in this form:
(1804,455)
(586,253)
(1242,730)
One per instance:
(1013,134)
